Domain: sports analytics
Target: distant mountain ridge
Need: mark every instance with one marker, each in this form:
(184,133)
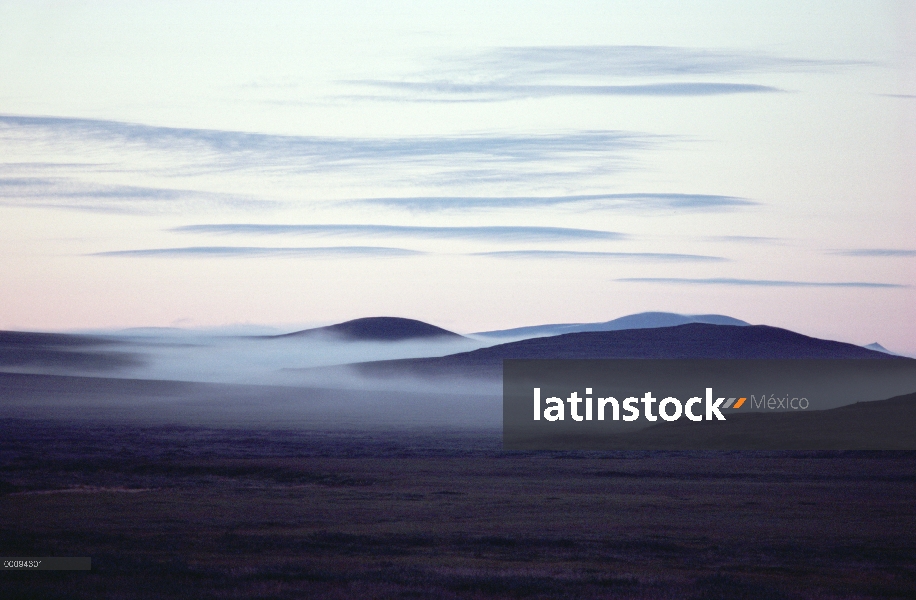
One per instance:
(693,340)
(645,320)
(875,425)
(379,329)
(879,348)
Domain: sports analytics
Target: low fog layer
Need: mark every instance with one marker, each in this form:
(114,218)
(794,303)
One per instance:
(228,378)
(26,396)
(214,357)
(325,378)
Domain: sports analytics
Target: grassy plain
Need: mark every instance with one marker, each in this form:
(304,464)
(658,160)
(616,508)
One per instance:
(190,512)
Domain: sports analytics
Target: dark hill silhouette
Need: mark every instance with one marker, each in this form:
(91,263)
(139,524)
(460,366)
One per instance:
(645,320)
(875,425)
(385,329)
(694,340)
(31,350)
(29,339)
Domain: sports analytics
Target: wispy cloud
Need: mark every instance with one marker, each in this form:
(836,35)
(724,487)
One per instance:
(639,61)
(241,251)
(235,148)
(18,168)
(761,282)
(488,233)
(71,193)
(544,71)
(445,91)
(886,252)
(632,201)
(569,254)
(129,153)
(745,239)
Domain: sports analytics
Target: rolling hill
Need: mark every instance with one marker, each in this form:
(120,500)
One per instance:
(32,350)
(875,425)
(376,329)
(646,320)
(693,340)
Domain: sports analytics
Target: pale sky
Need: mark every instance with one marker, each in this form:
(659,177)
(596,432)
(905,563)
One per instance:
(474,166)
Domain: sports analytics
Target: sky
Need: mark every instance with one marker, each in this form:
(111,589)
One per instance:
(200,164)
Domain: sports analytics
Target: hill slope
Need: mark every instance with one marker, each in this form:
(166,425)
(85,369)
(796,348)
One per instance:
(875,425)
(695,340)
(646,320)
(32,350)
(386,329)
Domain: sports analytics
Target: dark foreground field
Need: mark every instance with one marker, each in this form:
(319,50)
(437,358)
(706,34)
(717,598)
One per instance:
(208,513)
